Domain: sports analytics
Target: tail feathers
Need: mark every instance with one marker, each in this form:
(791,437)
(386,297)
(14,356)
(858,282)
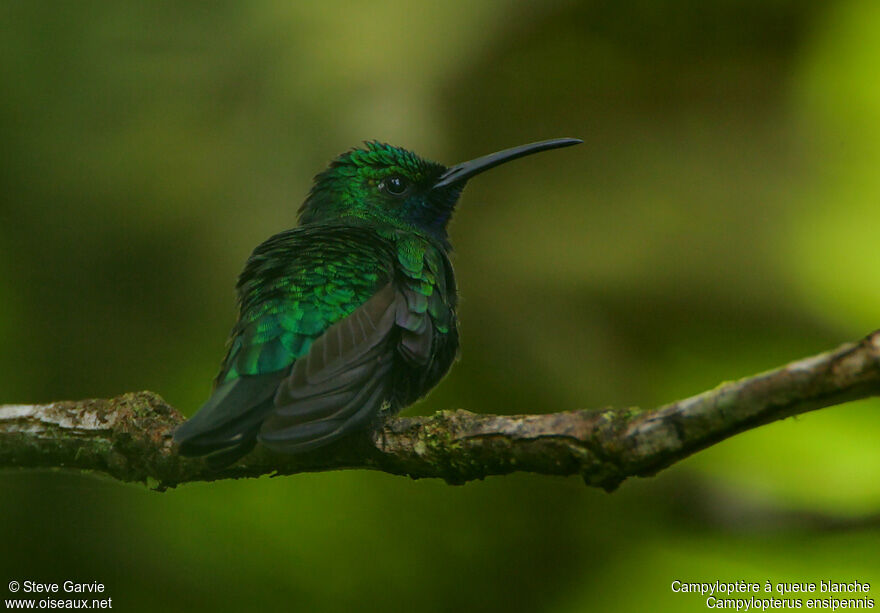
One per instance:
(225,457)
(227,424)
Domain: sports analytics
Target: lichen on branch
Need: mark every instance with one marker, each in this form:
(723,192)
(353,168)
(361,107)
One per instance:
(129,437)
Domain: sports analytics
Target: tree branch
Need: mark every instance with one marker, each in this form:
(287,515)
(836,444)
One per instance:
(129,437)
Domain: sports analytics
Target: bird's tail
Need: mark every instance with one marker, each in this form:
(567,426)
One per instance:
(226,426)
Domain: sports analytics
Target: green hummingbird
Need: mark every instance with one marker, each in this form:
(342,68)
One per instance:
(347,317)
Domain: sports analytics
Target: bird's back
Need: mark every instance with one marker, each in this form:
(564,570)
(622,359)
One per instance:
(335,322)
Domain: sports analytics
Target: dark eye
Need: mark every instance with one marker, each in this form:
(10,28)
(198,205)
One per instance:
(394,185)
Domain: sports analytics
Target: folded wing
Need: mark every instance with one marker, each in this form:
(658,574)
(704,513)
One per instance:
(343,381)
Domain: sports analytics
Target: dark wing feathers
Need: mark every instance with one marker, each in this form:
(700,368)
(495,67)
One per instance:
(341,383)
(349,340)
(289,435)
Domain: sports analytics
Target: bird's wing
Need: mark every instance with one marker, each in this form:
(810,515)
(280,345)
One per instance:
(341,383)
(325,316)
(294,288)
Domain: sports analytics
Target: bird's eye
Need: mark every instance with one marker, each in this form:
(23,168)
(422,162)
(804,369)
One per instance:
(395,185)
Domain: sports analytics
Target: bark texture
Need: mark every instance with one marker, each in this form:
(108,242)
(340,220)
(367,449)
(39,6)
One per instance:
(129,437)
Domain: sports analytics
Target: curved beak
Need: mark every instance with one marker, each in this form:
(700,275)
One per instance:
(464,171)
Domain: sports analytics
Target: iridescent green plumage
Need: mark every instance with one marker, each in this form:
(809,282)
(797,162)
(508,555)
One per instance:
(295,286)
(347,315)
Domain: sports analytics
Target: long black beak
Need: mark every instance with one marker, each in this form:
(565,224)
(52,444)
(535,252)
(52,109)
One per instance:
(464,171)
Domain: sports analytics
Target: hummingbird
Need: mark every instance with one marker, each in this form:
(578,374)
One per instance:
(348,317)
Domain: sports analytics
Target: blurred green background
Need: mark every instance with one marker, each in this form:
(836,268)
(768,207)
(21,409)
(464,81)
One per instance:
(720,219)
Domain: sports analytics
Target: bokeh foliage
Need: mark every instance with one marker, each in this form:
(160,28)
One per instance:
(720,219)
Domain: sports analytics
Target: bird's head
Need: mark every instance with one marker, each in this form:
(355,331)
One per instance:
(389,185)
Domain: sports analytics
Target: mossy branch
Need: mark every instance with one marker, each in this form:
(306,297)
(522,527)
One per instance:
(129,437)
